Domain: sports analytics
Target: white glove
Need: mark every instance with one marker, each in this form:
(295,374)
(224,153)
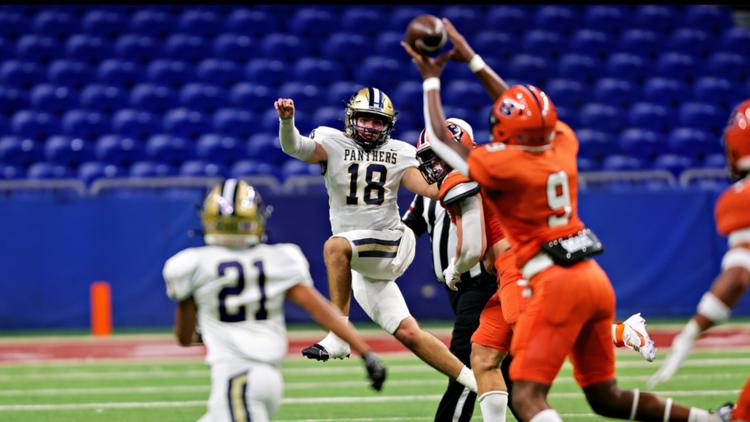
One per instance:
(452,277)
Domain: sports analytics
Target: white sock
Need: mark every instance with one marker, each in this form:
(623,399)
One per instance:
(466,378)
(691,330)
(547,415)
(333,342)
(699,415)
(493,405)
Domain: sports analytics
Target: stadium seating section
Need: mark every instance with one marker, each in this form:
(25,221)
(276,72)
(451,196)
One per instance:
(94,92)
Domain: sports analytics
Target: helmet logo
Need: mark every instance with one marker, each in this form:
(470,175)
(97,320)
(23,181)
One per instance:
(508,106)
(456,131)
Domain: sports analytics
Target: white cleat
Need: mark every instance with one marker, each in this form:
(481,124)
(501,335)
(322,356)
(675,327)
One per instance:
(635,337)
(681,347)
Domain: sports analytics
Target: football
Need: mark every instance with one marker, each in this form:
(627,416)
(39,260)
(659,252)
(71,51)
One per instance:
(426,34)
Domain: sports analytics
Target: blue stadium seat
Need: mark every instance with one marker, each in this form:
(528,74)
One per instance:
(267,72)
(673,163)
(12,99)
(711,18)
(219,72)
(704,116)
(693,42)
(467,94)
(715,161)
(104,98)
(265,147)
(269,120)
(53,99)
(601,116)
(169,149)
(692,141)
(153,23)
(21,74)
(641,41)
(587,164)
(651,116)
(135,123)
(283,46)
(254,168)
(238,123)
(120,72)
(566,92)
(306,95)
(12,172)
(137,47)
(642,143)
(218,149)
(251,96)
(151,169)
(319,71)
(329,116)
(186,123)
(666,91)
(530,68)
(340,92)
(608,18)
(659,18)
(106,23)
(45,170)
(37,48)
(239,48)
(618,162)
(362,20)
(716,90)
(300,168)
(87,48)
(152,98)
(312,22)
(543,42)
(200,21)
(590,42)
(502,44)
(4,125)
(19,151)
(595,144)
(627,66)
(618,92)
(168,72)
(118,150)
(450,111)
(511,18)
(465,18)
(736,40)
(55,23)
(70,73)
(345,47)
(252,21)
(379,72)
(186,47)
(411,136)
(676,65)
(202,97)
(579,67)
(387,42)
(91,171)
(13,24)
(725,64)
(198,168)
(68,151)
(568,115)
(34,124)
(406,96)
(563,19)
(87,124)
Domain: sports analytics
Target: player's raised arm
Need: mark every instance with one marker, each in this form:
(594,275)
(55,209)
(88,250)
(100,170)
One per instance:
(462,52)
(292,143)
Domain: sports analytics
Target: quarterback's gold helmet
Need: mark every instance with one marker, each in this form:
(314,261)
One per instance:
(374,103)
(234,214)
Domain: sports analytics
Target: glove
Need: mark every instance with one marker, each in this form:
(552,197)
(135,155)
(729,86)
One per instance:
(452,277)
(375,370)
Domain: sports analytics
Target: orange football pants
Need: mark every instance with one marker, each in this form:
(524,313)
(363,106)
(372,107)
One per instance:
(742,411)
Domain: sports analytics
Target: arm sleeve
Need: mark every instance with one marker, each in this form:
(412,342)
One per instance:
(292,142)
(178,273)
(471,237)
(414,216)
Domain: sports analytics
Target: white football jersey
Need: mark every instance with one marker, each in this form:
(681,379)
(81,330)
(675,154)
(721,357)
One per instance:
(240,296)
(363,186)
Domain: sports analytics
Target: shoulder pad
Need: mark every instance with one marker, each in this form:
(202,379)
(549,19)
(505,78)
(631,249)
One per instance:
(459,192)
(180,264)
(450,181)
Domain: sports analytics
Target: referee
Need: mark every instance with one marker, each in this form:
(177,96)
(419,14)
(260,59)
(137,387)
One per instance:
(477,285)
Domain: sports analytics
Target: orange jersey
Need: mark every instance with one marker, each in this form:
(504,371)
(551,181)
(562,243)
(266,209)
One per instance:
(535,194)
(732,208)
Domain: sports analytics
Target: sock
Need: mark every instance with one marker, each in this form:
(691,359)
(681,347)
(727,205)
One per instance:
(332,342)
(466,378)
(493,405)
(699,415)
(617,330)
(547,415)
(691,330)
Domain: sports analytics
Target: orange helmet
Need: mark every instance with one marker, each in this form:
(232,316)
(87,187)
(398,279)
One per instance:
(432,167)
(736,141)
(524,115)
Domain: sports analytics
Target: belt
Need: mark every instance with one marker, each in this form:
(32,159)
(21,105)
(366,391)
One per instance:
(536,264)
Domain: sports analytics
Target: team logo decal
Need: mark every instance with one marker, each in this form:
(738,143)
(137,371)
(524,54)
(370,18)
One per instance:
(508,106)
(456,132)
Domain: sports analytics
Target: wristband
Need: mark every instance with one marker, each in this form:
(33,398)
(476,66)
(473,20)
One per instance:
(431,84)
(477,63)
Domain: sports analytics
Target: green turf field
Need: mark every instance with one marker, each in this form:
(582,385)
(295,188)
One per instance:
(315,391)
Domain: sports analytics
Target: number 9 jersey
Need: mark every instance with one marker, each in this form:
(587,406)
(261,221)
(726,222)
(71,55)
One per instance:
(240,296)
(363,185)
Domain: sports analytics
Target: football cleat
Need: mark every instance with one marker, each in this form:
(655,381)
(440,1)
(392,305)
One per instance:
(318,352)
(635,337)
(724,413)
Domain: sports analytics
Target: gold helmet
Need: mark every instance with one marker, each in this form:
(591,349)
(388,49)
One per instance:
(374,102)
(234,214)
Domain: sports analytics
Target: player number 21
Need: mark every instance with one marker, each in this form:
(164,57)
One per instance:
(558,198)
(239,314)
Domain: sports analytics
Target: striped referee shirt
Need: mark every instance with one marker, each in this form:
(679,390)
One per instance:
(427,215)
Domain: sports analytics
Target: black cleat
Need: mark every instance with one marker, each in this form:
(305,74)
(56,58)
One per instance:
(317,352)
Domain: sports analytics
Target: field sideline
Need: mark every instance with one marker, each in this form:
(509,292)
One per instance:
(79,378)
